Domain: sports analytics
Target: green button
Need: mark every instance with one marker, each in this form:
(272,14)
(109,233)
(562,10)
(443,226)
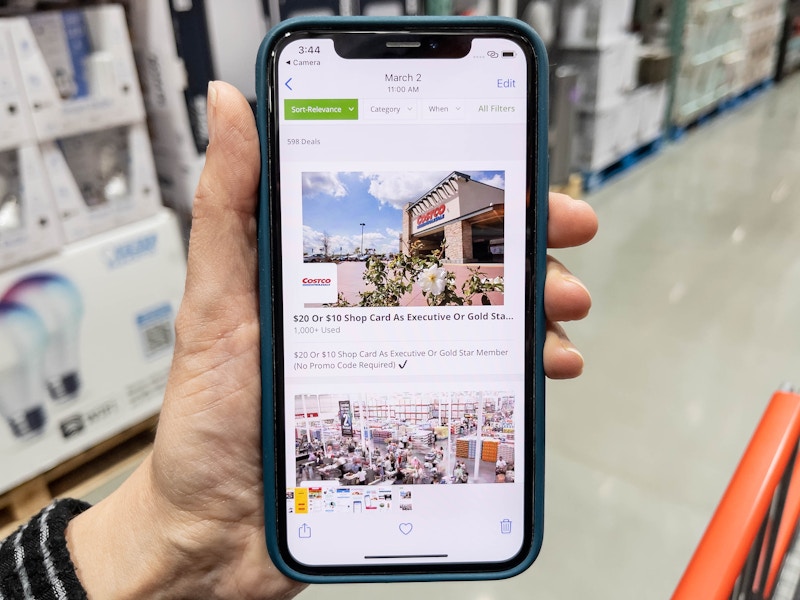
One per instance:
(321,109)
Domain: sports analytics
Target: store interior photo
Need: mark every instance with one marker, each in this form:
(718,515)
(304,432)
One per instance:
(404,438)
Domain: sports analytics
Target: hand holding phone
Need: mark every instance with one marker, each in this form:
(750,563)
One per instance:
(402,233)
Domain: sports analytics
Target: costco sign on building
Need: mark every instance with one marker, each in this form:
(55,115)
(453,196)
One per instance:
(434,215)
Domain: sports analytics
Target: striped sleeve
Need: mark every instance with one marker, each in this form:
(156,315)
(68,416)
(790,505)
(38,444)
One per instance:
(34,560)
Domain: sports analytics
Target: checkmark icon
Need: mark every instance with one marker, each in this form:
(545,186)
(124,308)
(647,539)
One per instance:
(403,364)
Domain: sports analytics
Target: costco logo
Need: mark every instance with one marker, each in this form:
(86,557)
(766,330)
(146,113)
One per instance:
(433,215)
(316,281)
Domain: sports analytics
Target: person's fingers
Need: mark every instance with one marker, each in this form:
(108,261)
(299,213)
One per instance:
(230,176)
(223,214)
(221,271)
(561,359)
(565,297)
(217,324)
(216,357)
(571,222)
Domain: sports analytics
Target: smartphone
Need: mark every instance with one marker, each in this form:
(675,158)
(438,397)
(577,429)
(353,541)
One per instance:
(402,244)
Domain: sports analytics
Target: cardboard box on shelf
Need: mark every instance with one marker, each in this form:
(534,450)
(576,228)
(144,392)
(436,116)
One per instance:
(627,138)
(605,74)
(595,144)
(655,65)
(604,137)
(102,179)
(702,87)
(176,103)
(77,69)
(711,31)
(593,23)
(762,32)
(86,343)
(652,114)
(233,40)
(179,48)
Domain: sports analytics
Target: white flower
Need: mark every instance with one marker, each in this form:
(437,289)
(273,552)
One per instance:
(432,280)
(497,280)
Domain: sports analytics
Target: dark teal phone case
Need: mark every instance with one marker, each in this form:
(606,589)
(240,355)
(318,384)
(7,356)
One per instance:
(274,498)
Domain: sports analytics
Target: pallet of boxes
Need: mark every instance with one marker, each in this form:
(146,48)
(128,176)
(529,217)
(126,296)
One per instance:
(728,51)
(761,23)
(621,89)
(91,264)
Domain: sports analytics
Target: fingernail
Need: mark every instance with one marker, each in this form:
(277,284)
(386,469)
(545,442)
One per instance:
(211,109)
(575,281)
(573,350)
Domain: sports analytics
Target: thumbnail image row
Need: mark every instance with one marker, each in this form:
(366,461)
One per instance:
(346,500)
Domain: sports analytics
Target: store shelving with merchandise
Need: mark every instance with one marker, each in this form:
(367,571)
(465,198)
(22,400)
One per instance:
(727,49)
(621,59)
(648,71)
(91,264)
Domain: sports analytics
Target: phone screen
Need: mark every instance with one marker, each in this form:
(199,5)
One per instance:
(402,170)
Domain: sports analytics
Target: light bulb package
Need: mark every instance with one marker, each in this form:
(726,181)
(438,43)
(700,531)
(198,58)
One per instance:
(77,69)
(102,179)
(57,303)
(16,126)
(10,192)
(86,340)
(180,47)
(23,340)
(29,225)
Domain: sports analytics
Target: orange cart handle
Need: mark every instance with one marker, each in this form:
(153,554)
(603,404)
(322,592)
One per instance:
(723,550)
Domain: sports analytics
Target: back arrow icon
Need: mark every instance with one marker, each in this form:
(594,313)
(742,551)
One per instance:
(287,83)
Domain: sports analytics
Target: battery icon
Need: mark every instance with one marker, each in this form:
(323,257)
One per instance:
(509,54)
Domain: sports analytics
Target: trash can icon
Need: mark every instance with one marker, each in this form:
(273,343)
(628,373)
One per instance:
(505,526)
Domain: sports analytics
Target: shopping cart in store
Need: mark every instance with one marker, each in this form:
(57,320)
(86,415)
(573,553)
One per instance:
(751,548)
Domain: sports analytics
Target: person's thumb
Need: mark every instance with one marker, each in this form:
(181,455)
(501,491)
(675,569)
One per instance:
(221,272)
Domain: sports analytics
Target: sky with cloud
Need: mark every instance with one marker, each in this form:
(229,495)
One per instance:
(336,203)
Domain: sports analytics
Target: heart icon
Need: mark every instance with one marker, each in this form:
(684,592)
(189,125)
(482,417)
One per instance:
(405,528)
